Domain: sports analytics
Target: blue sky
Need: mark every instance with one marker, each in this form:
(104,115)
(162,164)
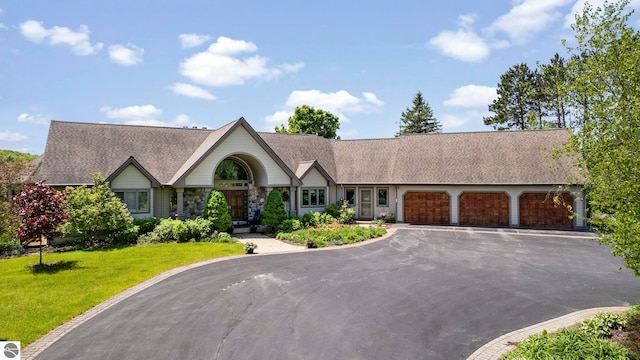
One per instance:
(207,63)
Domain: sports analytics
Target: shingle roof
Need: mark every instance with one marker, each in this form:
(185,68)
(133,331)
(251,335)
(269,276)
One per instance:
(75,150)
(496,157)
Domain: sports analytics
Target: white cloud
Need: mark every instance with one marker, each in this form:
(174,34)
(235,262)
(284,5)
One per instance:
(466,20)
(78,41)
(183,120)
(339,103)
(227,46)
(1,11)
(192,91)
(451,122)
(528,17)
(126,55)
(33,119)
(3,26)
(220,65)
(471,96)
(192,40)
(138,114)
(6,135)
(461,44)
(147,115)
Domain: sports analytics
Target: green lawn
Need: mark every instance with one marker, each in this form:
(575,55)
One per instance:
(34,302)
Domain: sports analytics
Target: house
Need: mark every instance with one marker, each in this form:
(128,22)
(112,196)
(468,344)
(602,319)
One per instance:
(506,178)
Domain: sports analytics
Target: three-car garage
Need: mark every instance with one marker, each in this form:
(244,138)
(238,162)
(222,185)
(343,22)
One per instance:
(485,208)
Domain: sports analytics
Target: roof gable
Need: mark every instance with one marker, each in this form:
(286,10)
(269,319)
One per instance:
(305,167)
(132,161)
(215,139)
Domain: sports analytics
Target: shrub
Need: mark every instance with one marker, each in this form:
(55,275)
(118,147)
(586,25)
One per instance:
(95,209)
(217,211)
(557,345)
(198,229)
(314,219)
(324,236)
(145,224)
(602,324)
(9,244)
(290,225)
(346,213)
(332,210)
(222,237)
(274,212)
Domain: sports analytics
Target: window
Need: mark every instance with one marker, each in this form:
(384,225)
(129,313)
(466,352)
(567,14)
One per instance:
(383,197)
(350,195)
(137,201)
(313,197)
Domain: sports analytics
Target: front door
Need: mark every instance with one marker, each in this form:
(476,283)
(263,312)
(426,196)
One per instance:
(366,204)
(238,204)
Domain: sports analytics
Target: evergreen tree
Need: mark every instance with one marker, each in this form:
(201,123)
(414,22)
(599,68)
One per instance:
(217,211)
(516,106)
(554,90)
(418,119)
(274,213)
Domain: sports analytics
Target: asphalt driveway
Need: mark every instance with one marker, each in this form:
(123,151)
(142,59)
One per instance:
(423,293)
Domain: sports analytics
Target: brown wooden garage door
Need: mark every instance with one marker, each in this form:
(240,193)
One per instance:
(539,210)
(484,208)
(426,208)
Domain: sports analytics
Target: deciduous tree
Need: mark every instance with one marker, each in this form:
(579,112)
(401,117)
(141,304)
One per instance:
(605,74)
(41,212)
(418,118)
(308,120)
(96,208)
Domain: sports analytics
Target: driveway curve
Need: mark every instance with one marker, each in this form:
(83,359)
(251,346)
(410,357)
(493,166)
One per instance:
(422,293)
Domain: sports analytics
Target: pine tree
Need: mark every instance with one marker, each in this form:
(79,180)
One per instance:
(516,106)
(418,119)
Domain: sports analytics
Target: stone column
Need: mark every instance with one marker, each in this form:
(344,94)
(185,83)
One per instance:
(514,207)
(454,201)
(180,202)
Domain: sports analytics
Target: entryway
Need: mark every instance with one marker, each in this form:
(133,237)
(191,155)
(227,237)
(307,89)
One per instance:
(238,201)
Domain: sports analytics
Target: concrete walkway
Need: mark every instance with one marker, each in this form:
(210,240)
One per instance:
(267,245)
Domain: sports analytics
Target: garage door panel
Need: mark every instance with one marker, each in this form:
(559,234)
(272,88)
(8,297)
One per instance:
(540,211)
(484,209)
(427,208)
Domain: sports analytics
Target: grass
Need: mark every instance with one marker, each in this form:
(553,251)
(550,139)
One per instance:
(35,300)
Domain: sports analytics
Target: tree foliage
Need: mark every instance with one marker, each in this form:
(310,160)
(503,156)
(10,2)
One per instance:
(605,77)
(418,119)
(515,106)
(274,212)
(41,213)
(532,98)
(96,208)
(308,120)
(217,211)
(9,181)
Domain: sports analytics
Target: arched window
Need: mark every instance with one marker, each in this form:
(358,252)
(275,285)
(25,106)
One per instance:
(231,173)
